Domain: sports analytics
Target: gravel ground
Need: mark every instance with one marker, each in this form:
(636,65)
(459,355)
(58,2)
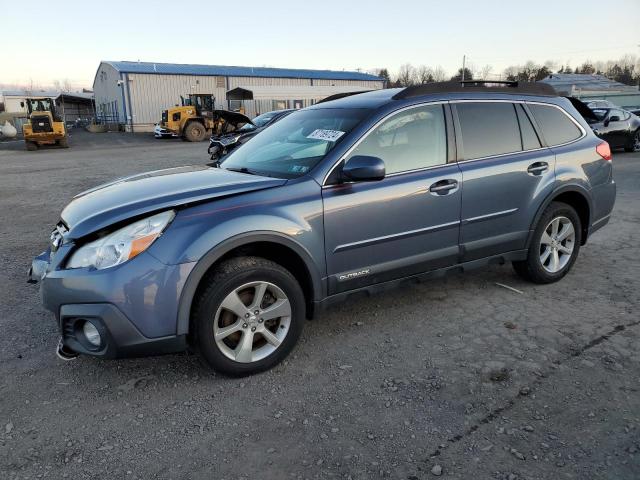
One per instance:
(456,378)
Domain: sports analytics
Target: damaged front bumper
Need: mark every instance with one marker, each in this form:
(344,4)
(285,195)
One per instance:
(133,307)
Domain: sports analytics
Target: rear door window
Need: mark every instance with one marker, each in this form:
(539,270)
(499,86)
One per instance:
(488,129)
(557,128)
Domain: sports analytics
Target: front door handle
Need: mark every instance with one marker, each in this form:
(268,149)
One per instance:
(443,187)
(538,168)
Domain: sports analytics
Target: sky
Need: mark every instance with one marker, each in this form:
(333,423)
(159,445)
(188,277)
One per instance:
(42,44)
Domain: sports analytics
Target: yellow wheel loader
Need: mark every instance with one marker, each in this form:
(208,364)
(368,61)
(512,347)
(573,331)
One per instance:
(44,126)
(197,119)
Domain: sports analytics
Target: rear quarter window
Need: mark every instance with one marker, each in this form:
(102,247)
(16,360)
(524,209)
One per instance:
(556,126)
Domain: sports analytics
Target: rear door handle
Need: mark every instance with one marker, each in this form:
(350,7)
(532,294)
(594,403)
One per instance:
(443,187)
(538,168)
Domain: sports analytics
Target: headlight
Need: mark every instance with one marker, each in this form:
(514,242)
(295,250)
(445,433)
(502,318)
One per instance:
(121,245)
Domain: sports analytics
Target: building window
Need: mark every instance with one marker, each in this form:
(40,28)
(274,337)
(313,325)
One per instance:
(279,104)
(235,105)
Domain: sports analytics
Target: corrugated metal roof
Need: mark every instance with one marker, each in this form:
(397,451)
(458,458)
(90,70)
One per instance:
(232,71)
(293,92)
(565,82)
(45,93)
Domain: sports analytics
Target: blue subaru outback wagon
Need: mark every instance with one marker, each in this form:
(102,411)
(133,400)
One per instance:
(350,195)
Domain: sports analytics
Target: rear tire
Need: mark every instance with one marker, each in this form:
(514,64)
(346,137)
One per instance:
(195,132)
(634,146)
(63,142)
(31,146)
(554,246)
(248,317)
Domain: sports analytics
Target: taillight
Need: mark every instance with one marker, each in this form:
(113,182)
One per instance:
(604,151)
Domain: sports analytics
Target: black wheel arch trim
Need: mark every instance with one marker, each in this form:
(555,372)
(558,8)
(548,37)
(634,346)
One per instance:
(571,188)
(212,256)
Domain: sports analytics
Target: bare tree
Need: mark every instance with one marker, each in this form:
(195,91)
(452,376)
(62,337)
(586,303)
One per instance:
(485,72)
(424,74)
(406,75)
(439,74)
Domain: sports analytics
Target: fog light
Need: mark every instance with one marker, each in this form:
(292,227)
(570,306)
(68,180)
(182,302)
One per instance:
(91,334)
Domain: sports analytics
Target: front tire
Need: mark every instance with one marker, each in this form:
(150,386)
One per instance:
(554,247)
(31,146)
(195,132)
(248,317)
(634,146)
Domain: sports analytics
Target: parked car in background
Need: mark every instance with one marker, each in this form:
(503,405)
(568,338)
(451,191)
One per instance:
(161,132)
(601,104)
(345,197)
(221,145)
(620,128)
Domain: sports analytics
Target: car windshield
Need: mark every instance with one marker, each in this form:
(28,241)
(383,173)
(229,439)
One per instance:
(294,145)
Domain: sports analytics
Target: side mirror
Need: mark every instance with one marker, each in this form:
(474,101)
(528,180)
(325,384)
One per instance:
(615,118)
(364,168)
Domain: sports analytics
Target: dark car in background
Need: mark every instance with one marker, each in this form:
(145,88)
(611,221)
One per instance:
(620,128)
(221,145)
(344,198)
(601,104)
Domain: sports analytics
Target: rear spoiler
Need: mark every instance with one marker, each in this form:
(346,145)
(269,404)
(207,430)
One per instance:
(582,109)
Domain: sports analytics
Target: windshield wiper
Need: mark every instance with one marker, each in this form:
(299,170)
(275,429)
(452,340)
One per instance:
(241,170)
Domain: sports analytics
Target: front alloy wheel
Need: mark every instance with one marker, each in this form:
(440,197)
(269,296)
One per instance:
(252,322)
(248,316)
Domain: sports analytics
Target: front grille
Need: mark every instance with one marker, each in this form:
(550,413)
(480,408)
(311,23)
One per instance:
(41,124)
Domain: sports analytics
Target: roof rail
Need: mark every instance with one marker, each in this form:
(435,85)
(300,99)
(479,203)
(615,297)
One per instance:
(337,96)
(467,86)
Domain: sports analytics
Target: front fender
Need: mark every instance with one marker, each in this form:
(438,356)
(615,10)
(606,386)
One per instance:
(290,215)
(213,255)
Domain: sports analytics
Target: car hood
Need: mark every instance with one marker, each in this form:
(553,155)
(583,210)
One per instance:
(233,118)
(136,195)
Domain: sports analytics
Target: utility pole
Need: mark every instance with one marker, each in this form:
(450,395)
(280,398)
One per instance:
(464,58)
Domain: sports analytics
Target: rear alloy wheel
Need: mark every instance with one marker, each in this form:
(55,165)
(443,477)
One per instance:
(635,143)
(195,132)
(554,246)
(250,316)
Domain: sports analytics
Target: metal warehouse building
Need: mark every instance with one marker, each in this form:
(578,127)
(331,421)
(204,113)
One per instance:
(594,87)
(134,94)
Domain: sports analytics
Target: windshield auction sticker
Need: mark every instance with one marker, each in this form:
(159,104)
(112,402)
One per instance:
(326,135)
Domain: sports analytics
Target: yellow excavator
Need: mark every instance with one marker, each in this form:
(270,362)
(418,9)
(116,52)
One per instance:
(44,126)
(196,119)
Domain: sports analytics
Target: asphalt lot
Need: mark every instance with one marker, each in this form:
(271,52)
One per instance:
(461,374)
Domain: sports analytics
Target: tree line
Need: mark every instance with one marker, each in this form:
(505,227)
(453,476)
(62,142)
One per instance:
(625,70)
